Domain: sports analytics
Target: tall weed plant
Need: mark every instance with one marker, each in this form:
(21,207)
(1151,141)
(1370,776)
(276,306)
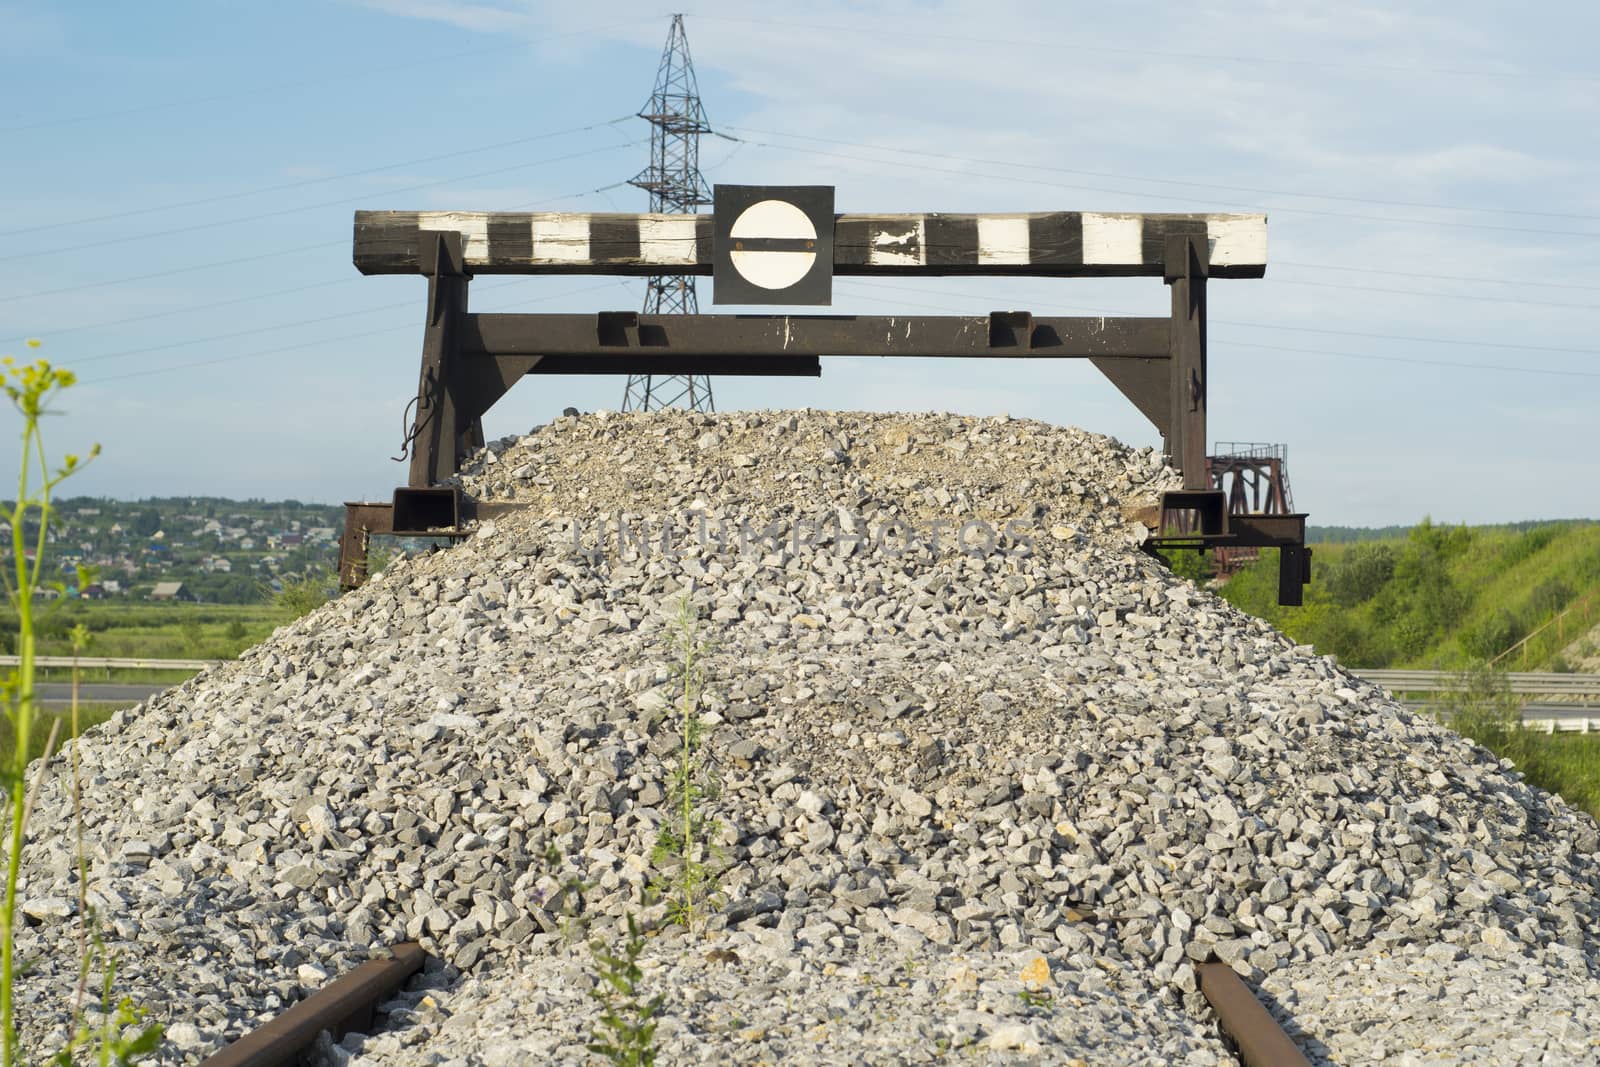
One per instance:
(684,844)
(305,593)
(683,853)
(120,1037)
(626,1032)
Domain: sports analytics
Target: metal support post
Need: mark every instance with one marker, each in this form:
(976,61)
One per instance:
(441,433)
(1294,571)
(1187,266)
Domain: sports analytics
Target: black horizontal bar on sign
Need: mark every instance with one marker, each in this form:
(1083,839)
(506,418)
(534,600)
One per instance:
(1050,244)
(1010,335)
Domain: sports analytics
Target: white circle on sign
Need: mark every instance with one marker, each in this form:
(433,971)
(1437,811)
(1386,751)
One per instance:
(772,268)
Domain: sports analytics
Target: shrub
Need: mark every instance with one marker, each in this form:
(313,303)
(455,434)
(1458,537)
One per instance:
(1363,572)
(305,593)
(1548,598)
(1491,635)
(1195,566)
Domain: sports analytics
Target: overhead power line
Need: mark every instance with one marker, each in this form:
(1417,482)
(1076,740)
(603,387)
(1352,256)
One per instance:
(173,231)
(169,273)
(1176,181)
(1234,342)
(430,61)
(164,346)
(342,243)
(261,191)
(1161,196)
(279,349)
(1454,342)
(1476,298)
(55,332)
(1438,277)
(1254,344)
(1228,341)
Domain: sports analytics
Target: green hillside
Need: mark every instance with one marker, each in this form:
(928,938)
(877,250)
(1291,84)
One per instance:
(1443,596)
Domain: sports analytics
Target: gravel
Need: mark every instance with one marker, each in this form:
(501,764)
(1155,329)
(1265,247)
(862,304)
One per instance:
(980,786)
(1441,1004)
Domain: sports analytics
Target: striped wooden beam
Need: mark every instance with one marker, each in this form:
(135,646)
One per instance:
(1060,243)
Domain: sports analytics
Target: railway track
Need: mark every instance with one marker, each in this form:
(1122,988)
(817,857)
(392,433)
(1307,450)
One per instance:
(349,1004)
(1261,1042)
(345,1005)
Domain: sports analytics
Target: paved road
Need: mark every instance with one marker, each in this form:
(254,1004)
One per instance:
(60,693)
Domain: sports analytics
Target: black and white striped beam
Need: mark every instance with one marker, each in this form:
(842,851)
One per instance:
(1060,243)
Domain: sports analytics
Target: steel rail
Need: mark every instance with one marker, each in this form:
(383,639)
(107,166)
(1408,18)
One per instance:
(1262,1042)
(344,1005)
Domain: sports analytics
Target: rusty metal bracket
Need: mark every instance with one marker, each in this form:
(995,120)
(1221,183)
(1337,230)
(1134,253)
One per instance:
(435,511)
(1010,329)
(361,522)
(1198,520)
(431,512)
(1203,511)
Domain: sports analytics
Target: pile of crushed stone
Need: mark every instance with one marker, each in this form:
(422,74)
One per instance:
(987,777)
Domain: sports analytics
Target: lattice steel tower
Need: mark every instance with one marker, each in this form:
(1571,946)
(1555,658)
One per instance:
(676,186)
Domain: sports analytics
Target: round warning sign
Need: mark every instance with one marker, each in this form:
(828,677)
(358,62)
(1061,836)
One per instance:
(774,244)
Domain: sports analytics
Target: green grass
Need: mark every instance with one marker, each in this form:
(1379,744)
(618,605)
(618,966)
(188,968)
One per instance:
(1441,597)
(155,631)
(1568,764)
(1453,598)
(89,716)
(1481,706)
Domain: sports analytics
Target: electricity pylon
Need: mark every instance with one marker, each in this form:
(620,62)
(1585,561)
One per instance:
(676,186)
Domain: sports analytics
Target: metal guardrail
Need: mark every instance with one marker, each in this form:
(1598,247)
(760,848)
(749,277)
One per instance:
(114,663)
(1564,725)
(1533,710)
(1538,683)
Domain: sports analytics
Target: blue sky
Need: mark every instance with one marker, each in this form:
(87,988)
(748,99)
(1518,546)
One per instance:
(177,182)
